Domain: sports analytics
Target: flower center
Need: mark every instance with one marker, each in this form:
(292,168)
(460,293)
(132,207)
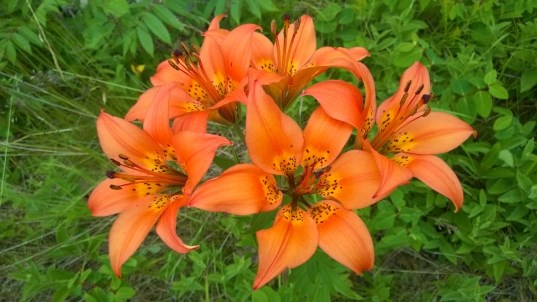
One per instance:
(410,107)
(157,178)
(285,50)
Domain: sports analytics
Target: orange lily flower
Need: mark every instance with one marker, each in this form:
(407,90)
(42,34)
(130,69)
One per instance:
(408,134)
(308,162)
(293,60)
(149,188)
(210,79)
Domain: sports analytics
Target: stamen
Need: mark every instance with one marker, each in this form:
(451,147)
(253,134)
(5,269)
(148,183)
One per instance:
(172,64)
(407,87)
(426,98)
(427,110)
(403,99)
(320,172)
(115,162)
(419,89)
(114,187)
(111,174)
(123,156)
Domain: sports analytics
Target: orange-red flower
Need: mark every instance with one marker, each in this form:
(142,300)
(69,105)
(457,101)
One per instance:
(408,134)
(209,80)
(158,172)
(292,61)
(309,162)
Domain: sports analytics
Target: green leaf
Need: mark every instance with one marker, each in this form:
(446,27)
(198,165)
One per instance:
(157,28)
(164,14)
(268,6)
(490,77)
(21,43)
(503,122)
(253,7)
(10,52)
(498,91)
(235,11)
(329,12)
(145,39)
(461,86)
(116,8)
(483,103)
(528,80)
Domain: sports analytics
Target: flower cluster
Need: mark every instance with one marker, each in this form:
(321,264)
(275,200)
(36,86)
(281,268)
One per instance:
(349,155)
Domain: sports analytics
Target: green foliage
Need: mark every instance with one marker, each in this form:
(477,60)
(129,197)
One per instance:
(61,61)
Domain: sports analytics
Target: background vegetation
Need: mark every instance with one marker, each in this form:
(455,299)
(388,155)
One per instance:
(61,61)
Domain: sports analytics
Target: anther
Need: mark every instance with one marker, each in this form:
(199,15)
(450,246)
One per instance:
(111,174)
(403,99)
(427,111)
(426,98)
(115,162)
(407,87)
(114,187)
(173,65)
(419,89)
(128,163)
(273,27)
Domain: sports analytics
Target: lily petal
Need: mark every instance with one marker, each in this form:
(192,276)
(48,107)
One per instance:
(343,236)
(324,138)
(119,137)
(178,102)
(352,180)
(436,174)
(435,133)
(236,50)
(195,152)
(263,53)
(304,43)
(131,227)
(291,241)
(194,121)
(166,227)
(392,175)
(243,189)
(340,100)
(274,140)
(104,201)
(415,82)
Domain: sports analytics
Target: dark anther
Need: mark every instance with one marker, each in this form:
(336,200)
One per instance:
(173,65)
(407,87)
(114,187)
(177,53)
(111,174)
(320,172)
(286,17)
(115,162)
(123,156)
(419,89)
(426,98)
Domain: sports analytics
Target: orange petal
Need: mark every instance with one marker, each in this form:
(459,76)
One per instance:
(157,120)
(166,227)
(435,133)
(274,140)
(352,180)
(241,190)
(165,74)
(291,241)
(343,236)
(193,121)
(177,99)
(340,100)
(195,152)
(416,82)
(215,22)
(304,43)
(324,138)
(358,53)
(392,175)
(131,227)
(236,50)
(119,137)
(263,53)
(435,173)
(104,201)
